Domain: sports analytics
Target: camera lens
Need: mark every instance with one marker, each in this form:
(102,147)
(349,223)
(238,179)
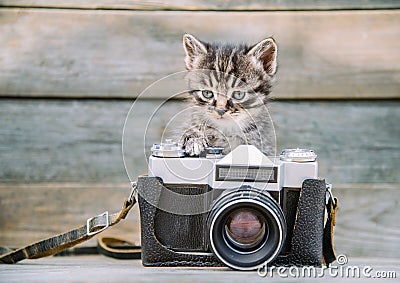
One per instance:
(247,228)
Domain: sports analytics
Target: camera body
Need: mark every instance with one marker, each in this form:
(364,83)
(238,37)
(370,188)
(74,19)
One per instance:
(243,210)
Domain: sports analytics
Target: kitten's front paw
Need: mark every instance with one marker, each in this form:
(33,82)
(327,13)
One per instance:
(195,146)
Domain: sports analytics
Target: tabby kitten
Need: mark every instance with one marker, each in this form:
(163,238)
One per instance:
(229,86)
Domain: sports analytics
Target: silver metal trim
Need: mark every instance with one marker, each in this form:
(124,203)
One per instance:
(195,253)
(214,152)
(167,149)
(329,190)
(134,192)
(298,155)
(89,220)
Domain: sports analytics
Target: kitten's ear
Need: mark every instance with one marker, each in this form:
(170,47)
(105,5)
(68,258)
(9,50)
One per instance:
(193,48)
(266,52)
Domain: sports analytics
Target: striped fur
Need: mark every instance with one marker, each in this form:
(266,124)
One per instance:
(229,89)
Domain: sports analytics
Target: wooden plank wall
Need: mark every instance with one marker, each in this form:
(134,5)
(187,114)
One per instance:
(70,69)
(80,140)
(66,52)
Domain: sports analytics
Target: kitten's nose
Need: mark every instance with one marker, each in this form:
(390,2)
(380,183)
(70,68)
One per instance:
(220,111)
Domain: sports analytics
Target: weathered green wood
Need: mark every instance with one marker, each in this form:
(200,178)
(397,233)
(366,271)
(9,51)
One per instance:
(206,4)
(355,141)
(73,53)
(80,140)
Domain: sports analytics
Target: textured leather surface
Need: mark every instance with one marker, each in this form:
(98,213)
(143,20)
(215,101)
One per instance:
(306,246)
(308,231)
(153,252)
(176,235)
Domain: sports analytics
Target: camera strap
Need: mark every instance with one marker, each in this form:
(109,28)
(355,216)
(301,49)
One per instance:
(328,250)
(93,226)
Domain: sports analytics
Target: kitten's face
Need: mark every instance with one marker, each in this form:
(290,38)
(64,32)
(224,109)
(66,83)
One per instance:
(230,82)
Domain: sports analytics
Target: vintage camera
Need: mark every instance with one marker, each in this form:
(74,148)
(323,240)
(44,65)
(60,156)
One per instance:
(243,210)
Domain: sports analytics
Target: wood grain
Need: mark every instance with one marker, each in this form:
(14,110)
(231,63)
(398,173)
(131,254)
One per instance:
(101,269)
(88,269)
(192,5)
(34,212)
(117,54)
(80,140)
(367,225)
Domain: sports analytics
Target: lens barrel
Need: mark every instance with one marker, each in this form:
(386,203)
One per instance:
(247,228)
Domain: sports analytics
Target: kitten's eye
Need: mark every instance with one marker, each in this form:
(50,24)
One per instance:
(238,95)
(207,94)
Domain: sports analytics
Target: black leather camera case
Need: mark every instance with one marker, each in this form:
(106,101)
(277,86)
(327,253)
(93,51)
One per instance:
(304,210)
